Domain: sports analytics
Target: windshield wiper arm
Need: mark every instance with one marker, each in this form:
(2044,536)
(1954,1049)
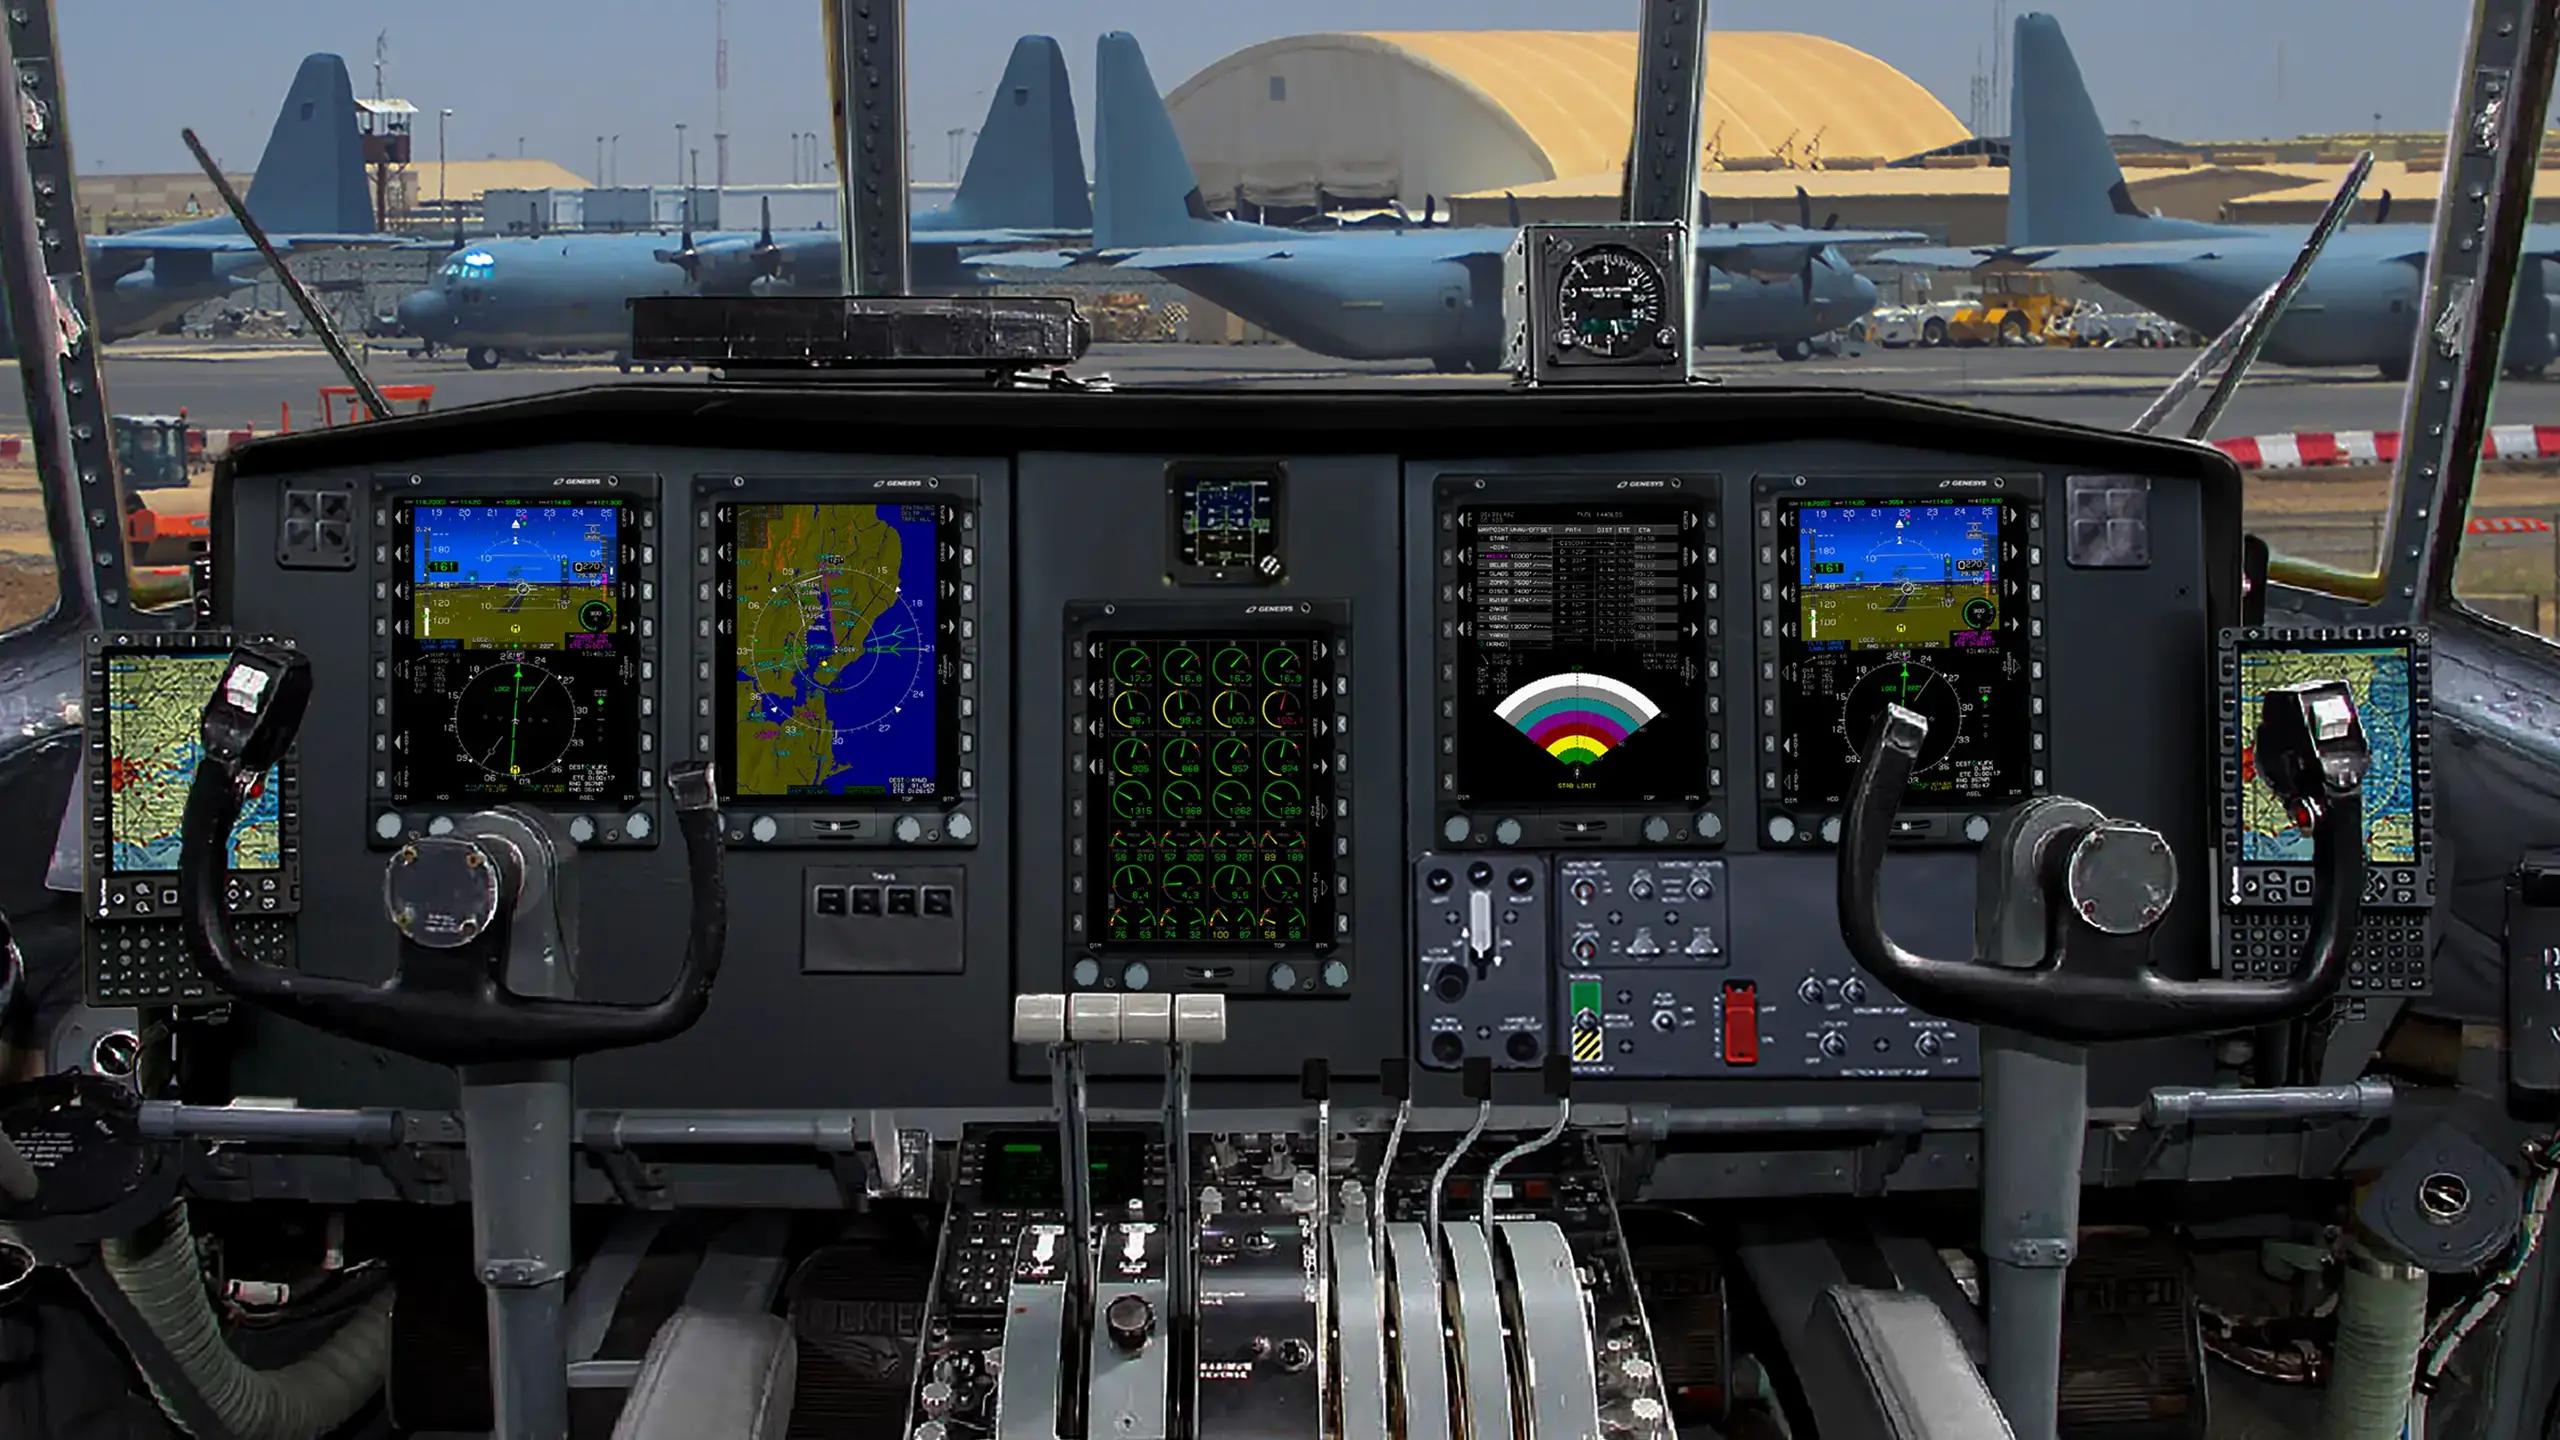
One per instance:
(2247,335)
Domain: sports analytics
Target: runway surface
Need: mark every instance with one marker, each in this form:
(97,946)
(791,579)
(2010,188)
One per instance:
(233,385)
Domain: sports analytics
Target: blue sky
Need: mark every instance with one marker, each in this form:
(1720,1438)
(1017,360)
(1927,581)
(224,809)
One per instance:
(554,74)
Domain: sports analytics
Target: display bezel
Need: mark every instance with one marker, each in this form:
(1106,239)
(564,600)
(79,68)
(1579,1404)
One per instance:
(2272,884)
(1317,967)
(1961,823)
(628,820)
(1181,477)
(1460,825)
(142,895)
(843,821)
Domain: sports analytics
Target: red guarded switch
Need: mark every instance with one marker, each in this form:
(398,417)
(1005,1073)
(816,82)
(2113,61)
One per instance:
(1741,1023)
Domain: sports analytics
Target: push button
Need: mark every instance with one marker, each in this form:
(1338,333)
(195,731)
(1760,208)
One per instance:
(937,900)
(866,899)
(830,899)
(902,900)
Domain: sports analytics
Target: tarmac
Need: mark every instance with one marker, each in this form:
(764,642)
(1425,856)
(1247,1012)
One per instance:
(225,385)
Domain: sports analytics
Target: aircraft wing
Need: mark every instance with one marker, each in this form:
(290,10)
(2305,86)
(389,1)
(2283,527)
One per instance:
(1786,249)
(992,239)
(2541,242)
(146,243)
(2120,255)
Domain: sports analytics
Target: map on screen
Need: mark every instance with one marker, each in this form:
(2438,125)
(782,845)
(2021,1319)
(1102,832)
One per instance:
(155,708)
(2379,677)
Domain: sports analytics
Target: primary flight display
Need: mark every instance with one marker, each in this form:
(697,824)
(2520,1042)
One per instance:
(515,670)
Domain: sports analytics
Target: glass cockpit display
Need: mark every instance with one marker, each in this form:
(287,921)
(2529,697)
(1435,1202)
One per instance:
(1227,523)
(1582,673)
(154,703)
(2383,680)
(1910,602)
(838,678)
(516,670)
(1213,814)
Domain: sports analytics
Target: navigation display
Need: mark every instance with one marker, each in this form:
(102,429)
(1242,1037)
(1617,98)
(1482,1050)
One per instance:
(838,681)
(515,666)
(2380,677)
(1917,603)
(1582,654)
(1213,795)
(155,709)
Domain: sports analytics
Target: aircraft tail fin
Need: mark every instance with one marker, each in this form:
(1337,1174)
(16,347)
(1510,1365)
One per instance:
(1145,193)
(1026,171)
(2065,187)
(310,180)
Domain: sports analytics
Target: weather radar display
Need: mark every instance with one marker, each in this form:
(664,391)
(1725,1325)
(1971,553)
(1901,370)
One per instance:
(1582,654)
(1912,603)
(2380,679)
(839,683)
(516,670)
(155,710)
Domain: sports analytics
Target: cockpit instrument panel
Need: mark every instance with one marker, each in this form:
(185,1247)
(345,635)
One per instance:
(145,697)
(1208,795)
(2266,850)
(1227,522)
(522,630)
(1580,671)
(841,679)
(1922,595)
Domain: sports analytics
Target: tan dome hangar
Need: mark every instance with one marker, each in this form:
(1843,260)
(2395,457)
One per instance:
(1403,115)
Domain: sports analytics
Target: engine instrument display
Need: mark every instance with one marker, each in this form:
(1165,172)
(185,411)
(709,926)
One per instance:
(1911,602)
(154,706)
(1582,654)
(1226,522)
(1022,1170)
(515,664)
(2385,680)
(836,625)
(1211,794)
(1610,302)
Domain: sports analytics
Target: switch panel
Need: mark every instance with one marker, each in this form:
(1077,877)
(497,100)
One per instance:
(1480,940)
(1699,1024)
(1643,910)
(883,919)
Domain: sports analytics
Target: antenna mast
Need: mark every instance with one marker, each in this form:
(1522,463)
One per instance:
(720,98)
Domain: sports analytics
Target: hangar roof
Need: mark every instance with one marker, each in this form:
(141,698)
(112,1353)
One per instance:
(1567,93)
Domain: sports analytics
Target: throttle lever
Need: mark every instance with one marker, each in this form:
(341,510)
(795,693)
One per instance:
(2105,885)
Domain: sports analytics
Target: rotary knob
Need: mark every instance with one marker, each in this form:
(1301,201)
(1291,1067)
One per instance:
(1131,1321)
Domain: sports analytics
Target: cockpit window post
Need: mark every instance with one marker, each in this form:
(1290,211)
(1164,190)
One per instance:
(53,316)
(2491,151)
(867,80)
(1670,106)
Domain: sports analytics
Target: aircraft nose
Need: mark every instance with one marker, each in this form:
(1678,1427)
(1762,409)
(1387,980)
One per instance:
(1862,290)
(424,314)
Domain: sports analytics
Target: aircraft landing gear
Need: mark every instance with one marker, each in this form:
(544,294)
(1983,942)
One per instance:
(1795,350)
(483,357)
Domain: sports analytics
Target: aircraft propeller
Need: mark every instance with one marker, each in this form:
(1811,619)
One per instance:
(2382,208)
(1804,218)
(685,258)
(767,255)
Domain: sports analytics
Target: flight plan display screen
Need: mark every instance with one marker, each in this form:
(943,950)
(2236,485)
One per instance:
(1582,645)
(840,679)
(1212,808)
(1917,603)
(154,726)
(2382,679)
(515,657)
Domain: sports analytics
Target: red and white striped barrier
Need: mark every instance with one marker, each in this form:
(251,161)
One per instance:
(2508,525)
(2308,449)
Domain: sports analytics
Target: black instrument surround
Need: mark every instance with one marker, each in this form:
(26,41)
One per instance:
(1450,668)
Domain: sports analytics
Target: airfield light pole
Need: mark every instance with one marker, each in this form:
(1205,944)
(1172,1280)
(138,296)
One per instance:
(613,164)
(444,197)
(679,152)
